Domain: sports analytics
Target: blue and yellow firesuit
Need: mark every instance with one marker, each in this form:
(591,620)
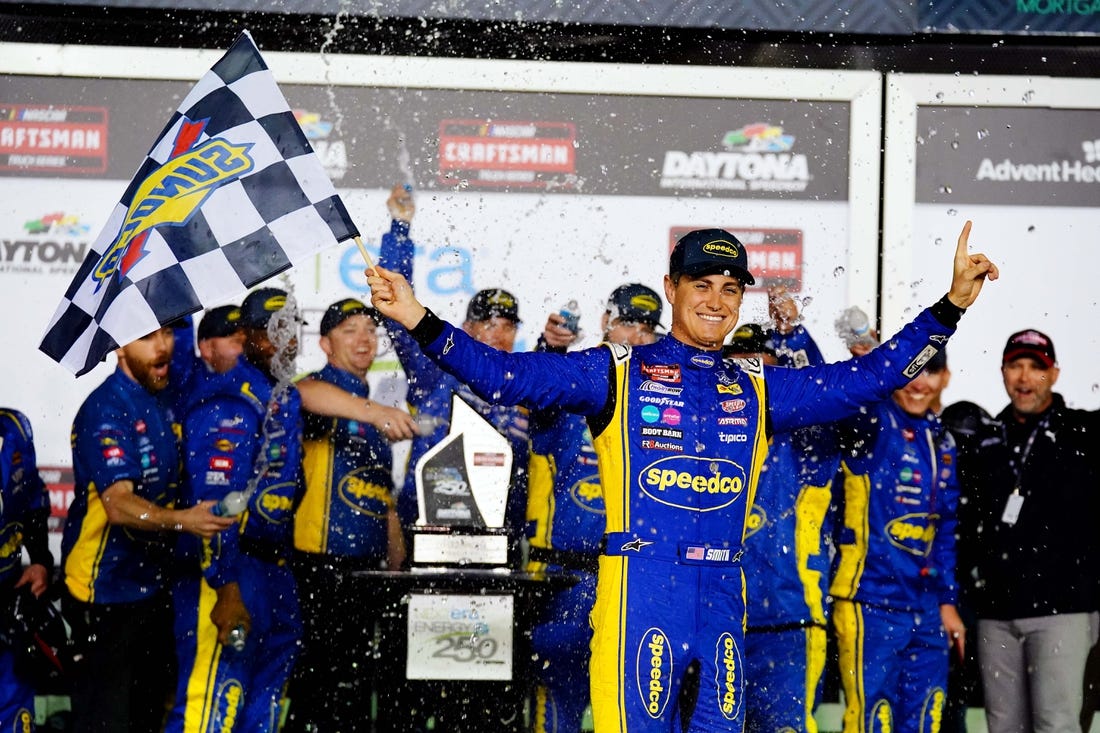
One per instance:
(895,566)
(340,527)
(229,437)
(429,397)
(348,486)
(681,436)
(24,509)
(121,433)
(787,567)
(566,518)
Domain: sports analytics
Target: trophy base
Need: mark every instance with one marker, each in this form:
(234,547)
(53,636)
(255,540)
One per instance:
(464,550)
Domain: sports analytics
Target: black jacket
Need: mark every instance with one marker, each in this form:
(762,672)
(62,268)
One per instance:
(1047,562)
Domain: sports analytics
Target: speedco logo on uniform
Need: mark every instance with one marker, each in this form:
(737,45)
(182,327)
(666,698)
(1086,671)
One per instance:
(654,671)
(689,482)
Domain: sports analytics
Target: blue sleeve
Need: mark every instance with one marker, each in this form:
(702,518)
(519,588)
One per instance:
(221,448)
(421,373)
(796,349)
(35,521)
(575,382)
(830,392)
(397,250)
(105,442)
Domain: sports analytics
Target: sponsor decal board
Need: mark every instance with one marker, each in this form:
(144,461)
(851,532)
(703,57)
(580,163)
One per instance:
(1020,157)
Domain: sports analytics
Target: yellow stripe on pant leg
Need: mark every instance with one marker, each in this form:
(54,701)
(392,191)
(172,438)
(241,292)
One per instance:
(607,668)
(848,622)
(201,695)
(815,667)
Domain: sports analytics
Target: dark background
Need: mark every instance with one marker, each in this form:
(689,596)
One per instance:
(930,36)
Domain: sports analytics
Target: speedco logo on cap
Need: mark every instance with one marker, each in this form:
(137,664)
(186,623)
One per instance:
(654,670)
(721,248)
(693,483)
(728,677)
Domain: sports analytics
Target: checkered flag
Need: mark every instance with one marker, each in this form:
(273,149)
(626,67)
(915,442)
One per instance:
(230,194)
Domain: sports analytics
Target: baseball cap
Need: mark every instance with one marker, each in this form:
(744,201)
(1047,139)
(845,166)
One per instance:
(225,320)
(708,252)
(259,305)
(749,338)
(344,309)
(937,363)
(635,303)
(492,302)
(1030,343)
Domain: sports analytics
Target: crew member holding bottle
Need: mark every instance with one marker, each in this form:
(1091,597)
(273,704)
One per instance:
(242,437)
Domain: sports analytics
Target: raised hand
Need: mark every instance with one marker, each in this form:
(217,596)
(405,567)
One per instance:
(970,272)
(392,295)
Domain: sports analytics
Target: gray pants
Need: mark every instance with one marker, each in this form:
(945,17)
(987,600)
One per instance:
(1033,670)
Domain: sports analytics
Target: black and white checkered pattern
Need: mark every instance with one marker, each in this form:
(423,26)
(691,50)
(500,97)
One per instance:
(216,239)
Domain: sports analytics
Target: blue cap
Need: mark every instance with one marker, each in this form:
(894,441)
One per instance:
(260,305)
(710,252)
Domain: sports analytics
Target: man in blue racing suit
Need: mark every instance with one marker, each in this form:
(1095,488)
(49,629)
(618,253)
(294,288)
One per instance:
(893,581)
(670,587)
(243,443)
(787,562)
(566,517)
(24,509)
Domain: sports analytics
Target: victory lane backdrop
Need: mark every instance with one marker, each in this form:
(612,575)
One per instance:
(643,166)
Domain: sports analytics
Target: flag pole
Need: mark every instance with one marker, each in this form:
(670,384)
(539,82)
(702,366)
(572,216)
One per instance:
(363,251)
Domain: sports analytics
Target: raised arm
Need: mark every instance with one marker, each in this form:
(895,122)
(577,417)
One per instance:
(576,382)
(835,391)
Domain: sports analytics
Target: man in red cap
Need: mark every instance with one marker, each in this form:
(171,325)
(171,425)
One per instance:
(1027,533)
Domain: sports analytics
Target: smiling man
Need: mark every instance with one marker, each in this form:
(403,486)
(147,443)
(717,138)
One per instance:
(894,575)
(680,434)
(1029,529)
(346,522)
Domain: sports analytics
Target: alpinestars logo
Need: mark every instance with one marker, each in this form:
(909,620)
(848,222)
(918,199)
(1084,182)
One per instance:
(756,157)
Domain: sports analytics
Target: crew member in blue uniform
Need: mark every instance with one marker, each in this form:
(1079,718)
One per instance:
(786,556)
(670,588)
(566,517)
(243,441)
(347,522)
(492,317)
(116,547)
(24,511)
(893,581)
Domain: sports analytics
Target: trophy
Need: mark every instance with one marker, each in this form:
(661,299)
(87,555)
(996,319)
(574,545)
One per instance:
(462,487)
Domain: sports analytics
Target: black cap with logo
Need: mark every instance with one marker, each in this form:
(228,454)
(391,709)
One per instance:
(224,320)
(259,305)
(491,303)
(344,309)
(710,252)
(635,303)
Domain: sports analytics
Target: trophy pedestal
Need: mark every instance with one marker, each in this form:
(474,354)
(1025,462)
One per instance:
(458,546)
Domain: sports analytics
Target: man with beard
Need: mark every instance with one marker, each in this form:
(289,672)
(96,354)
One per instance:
(117,542)
(236,605)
